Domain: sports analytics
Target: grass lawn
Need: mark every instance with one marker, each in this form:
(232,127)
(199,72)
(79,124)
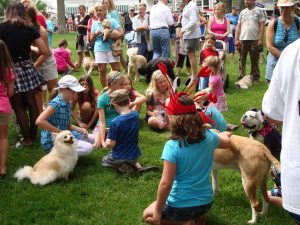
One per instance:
(95,195)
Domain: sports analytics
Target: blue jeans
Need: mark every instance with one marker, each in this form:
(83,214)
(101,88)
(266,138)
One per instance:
(142,47)
(271,63)
(161,43)
(203,83)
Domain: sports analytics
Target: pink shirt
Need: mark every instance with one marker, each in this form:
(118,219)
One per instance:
(63,59)
(219,28)
(216,82)
(5,105)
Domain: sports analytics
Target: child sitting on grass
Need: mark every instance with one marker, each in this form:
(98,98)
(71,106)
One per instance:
(136,99)
(123,137)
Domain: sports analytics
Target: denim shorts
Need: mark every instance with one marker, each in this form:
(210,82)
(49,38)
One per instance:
(271,63)
(184,214)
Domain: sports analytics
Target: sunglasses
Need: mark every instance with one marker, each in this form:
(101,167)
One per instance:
(285,39)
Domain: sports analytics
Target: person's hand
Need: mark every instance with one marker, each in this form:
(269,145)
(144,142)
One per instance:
(82,125)
(98,32)
(259,43)
(146,27)
(181,34)
(84,131)
(237,44)
(156,217)
(103,144)
(131,105)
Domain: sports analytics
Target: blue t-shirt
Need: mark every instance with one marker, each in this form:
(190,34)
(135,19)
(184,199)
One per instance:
(60,119)
(124,129)
(191,186)
(220,122)
(114,15)
(100,45)
(233,18)
(109,112)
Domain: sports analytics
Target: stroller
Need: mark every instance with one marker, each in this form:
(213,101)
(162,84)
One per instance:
(221,48)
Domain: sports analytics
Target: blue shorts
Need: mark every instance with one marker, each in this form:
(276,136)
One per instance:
(184,214)
(296,217)
(231,48)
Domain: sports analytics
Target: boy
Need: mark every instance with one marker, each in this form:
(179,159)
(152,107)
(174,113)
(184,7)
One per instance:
(208,50)
(123,137)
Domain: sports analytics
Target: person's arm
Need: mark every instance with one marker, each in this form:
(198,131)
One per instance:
(170,20)
(42,120)
(276,122)
(78,129)
(75,115)
(117,35)
(42,58)
(270,40)
(140,99)
(261,33)
(101,136)
(224,139)
(164,189)
(10,88)
(110,143)
(228,29)
(237,34)
(67,57)
(40,44)
(93,119)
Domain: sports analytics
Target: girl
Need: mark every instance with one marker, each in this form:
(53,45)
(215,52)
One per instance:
(56,117)
(87,113)
(215,84)
(136,99)
(157,93)
(18,34)
(63,58)
(106,112)
(6,90)
(185,194)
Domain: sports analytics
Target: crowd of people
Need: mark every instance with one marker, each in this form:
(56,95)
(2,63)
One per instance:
(29,67)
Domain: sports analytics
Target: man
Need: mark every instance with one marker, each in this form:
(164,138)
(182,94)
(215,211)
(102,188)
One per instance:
(281,103)
(160,20)
(249,38)
(190,32)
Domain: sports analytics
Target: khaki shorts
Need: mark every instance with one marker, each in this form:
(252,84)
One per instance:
(85,47)
(192,45)
(4,118)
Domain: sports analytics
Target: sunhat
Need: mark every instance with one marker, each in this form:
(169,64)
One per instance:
(285,3)
(69,81)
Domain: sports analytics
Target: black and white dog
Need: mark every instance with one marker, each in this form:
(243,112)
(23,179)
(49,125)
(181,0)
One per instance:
(261,130)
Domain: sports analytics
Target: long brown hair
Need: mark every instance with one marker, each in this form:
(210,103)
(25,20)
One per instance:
(90,94)
(32,13)
(5,60)
(186,127)
(15,13)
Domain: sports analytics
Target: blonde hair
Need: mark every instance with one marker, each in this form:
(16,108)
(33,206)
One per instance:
(152,89)
(142,5)
(111,5)
(30,3)
(221,6)
(100,6)
(114,77)
(214,62)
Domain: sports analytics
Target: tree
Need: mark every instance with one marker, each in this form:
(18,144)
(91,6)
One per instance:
(3,6)
(61,22)
(41,5)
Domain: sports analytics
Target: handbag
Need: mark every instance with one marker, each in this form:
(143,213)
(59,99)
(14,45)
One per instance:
(116,47)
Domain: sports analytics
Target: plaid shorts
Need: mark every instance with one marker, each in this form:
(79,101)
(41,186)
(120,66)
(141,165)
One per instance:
(27,78)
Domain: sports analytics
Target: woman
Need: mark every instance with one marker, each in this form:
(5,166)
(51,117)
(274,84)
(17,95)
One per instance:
(280,33)
(141,27)
(113,13)
(128,19)
(218,24)
(102,50)
(92,19)
(81,44)
(18,34)
(40,18)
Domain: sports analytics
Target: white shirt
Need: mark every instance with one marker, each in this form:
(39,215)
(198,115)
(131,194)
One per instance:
(136,22)
(190,21)
(160,16)
(281,102)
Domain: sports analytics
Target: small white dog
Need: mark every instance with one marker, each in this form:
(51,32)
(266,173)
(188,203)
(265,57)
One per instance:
(135,62)
(244,83)
(56,164)
(88,65)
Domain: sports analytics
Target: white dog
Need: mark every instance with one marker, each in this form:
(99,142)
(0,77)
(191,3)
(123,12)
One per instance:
(88,65)
(135,62)
(57,164)
(244,83)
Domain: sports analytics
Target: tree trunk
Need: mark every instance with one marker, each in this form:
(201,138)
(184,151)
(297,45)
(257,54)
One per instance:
(228,5)
(61,22)
(241,5)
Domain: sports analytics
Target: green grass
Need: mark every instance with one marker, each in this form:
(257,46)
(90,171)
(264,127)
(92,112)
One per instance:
(95,195)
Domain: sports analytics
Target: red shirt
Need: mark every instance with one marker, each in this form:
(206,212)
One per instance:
(207,52)
(41,20)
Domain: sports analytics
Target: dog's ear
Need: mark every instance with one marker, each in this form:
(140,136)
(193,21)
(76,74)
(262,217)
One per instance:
(253,109)
(54,135)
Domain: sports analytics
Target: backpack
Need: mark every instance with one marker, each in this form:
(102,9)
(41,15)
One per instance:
(276,23)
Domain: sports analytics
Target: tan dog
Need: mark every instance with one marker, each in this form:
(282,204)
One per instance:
(135,62)
(253,160)
(244,83)
(88,65)
(56,164)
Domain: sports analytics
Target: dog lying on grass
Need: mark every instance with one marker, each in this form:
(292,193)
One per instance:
(56,164)
(244,83)
(253,160)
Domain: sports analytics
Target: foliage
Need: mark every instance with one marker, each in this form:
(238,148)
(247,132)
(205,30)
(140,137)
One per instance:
(96,195)
(41,5)
(3,5)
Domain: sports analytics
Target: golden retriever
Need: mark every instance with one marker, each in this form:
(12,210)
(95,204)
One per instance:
(135,63)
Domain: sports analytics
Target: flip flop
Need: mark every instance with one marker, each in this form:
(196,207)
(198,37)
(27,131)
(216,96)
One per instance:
(19,145)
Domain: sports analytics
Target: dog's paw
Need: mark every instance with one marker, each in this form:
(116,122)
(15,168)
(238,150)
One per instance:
(253,221)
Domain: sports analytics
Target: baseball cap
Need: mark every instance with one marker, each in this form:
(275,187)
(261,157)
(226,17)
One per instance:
(235,8)
(285,3)
(119,96)
(131,8)
(69,81)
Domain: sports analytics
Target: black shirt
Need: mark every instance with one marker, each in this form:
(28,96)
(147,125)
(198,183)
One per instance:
(128,24)
(83,21)
(18,39)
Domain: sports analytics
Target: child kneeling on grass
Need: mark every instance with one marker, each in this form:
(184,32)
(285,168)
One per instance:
(185,193)
(123,137)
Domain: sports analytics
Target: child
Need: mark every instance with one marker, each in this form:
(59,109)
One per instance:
(87,101)
(63,58)
(136,99)
(56,117)
(185,194)
(215,85)
(157,93)
(6,90)
(209,50)
(115,81)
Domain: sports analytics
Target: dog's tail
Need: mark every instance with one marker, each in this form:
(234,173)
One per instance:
(24,172)
(272,159)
